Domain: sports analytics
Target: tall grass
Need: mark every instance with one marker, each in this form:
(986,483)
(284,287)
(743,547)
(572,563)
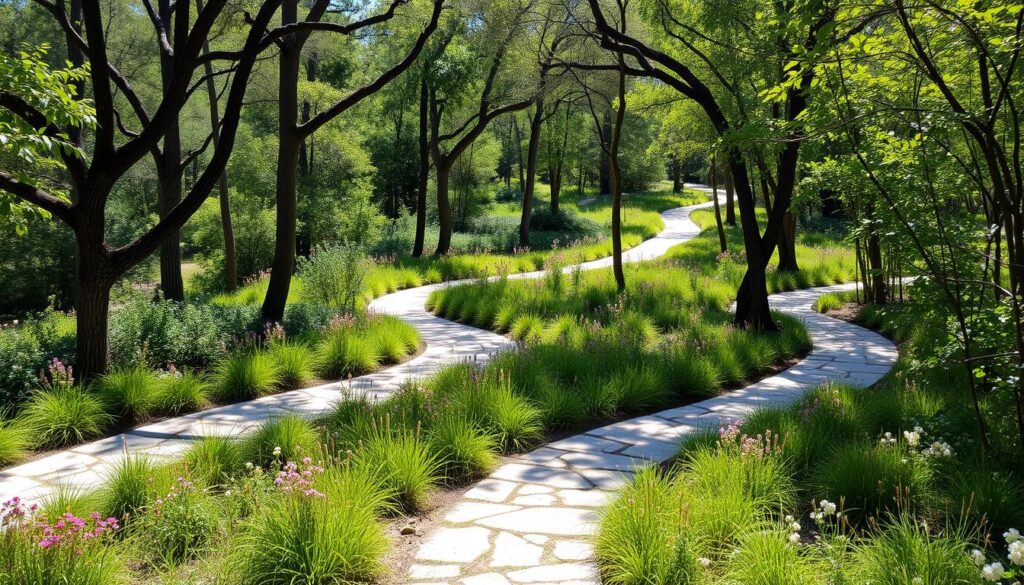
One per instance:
(15,440)
(64,416)
(244,376)
(132,392)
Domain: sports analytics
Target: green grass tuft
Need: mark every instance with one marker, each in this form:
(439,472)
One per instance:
(244,376)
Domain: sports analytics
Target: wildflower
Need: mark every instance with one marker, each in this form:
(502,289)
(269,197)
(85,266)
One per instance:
(795,526)
(277,451)
(1012,535)
(1016,552)
(248,465)
(938,449)
(978,557)
(827,507)
(913,437)
(704,562)
(887,439)
(993,572)
(917,581)
(794,538)
(789,518)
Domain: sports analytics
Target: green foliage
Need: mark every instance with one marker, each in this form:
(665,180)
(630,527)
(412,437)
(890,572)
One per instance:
(213,460)
(15,440)
(403,462)
(295,363)
(63,416)
(286,438)
(129,487)
(245,375)
(182,392)
(334,276)
(178,526)
(905,551)
(132,393)
(155,334)
(345,351)
(466,452)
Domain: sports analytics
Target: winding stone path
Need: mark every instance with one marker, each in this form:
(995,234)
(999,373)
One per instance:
(532,519)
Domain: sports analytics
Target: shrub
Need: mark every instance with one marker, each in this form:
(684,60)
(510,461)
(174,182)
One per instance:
(64,415)
(21,358)
(304,318)
(15,440)
(334,276)
(155,334)
(129,487)
(464,450)
(212,460)
(178,525)
(131,393)
(181,393)
(73,558)
(295,362)
(244,376)
(286,438)
(344,351)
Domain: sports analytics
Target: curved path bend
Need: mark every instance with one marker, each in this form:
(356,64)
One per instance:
(530,521)
(85,466)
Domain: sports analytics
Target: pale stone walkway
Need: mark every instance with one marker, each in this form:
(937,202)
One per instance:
(85,466)
(532,520)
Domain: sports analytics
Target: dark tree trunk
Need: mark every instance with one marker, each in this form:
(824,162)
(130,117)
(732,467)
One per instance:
(752,310)
(227,229)
(288,145)
(424,174)
(444,212)
(876,269)
(730,211)
(94,277)
(531,172)
(169,181)
(722,243)
(787,244)
(555,177)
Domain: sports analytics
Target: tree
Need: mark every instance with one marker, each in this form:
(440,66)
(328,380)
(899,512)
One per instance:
(292,133)
(793,36)
(98,264)
(450,81)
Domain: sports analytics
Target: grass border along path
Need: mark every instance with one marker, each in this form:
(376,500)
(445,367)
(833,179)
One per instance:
(85,466)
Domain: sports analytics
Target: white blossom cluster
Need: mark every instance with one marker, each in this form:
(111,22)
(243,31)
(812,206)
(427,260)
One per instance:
(995,571)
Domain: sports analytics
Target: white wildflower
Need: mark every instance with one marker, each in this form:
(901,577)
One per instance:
(277,451)
(887,439)
(1016,554)
(795,527)
(704,562)
(794,538)
(1012,535)
(938,449)
(913,437)
(827,507)
(993,572)
(917,581)
(789,518)
(978,557)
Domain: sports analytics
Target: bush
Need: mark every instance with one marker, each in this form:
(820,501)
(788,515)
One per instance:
(131,393)
(304,318)
(63,416)
(161,333)
(182,392)
(21,358)
(905,551)
(244,376)
(334,276)
(178,525)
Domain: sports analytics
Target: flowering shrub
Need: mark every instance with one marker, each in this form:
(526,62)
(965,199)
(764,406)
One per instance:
(178,523)
(67,549)
(299,480)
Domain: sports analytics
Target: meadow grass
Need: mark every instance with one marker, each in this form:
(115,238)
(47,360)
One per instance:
(245,375)
(64,416)
(131,393)
(181,393)
(15,440)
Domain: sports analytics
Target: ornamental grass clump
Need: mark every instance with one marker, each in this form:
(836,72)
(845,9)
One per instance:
(15,440)
(345,351)
(129,487)
(131,392)
(177,526)
(63,414)
(296,363)
(213,461)
(181,392)
(245,375)
(287,437)
(464,450)
(404,462)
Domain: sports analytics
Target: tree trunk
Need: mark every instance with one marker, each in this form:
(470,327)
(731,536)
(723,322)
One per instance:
(444,212)
(555,177)
(227,229)
(876,270)
(288,145)
(531,172)
(169,181)
(424,174)
(722,244)
(787,244)
(615,173)
(752,310)
(94,277)
(730,212)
